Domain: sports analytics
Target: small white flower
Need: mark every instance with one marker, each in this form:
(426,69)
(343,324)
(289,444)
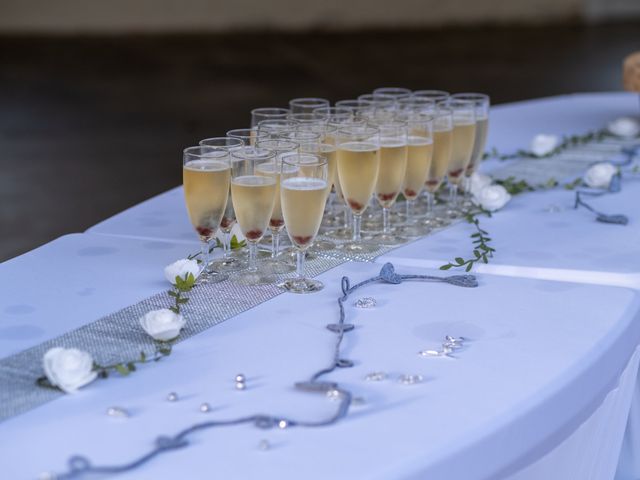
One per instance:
(163,324)
(600,175)
(492,197)
(542,144)
(68,368)
(181,268)
(478,181)
(624,127)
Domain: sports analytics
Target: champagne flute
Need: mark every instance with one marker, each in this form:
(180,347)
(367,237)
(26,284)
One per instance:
(334,115)
(420,151)
(253,196)
(442,146)
(206,174)
(358,154)
(276,222)
(229,262)
(267,113)
(482,105)
(310,118)
(248,135)
(359,108)
(303,192)
(307,104)
(412,105)
(222,143)
(276,128)
(464,132)
(394,92)
(393,166)
(379,107)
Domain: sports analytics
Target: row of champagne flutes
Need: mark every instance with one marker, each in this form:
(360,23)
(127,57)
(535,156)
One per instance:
(281,171)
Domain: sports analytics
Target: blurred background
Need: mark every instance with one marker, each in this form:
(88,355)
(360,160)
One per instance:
(98,98)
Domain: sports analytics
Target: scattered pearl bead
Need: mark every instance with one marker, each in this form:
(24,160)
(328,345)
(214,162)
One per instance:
(172,397)
(117,412)
(282,424)
(241,385)
(205,407)
(240,378)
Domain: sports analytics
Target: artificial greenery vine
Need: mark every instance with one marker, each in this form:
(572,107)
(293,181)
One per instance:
(567,142)
(482,250)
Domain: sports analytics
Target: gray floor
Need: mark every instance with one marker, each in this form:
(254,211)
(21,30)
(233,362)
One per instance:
(91,126)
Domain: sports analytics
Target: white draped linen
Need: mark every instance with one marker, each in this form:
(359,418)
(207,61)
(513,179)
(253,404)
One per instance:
(543,389)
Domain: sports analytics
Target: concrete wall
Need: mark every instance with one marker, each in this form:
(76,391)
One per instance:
(127,16)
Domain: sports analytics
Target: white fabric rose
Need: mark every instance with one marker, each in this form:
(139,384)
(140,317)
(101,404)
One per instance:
(624,127)
(478,181)
(163,324)
(542,144)
(68,368)
(492,197)
(181,268)
(600,175)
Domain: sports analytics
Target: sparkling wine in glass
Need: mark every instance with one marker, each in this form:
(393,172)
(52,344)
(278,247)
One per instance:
(206,175)
(276,222)
(358,155)
(391,174)
(420,152)
(442,148)
(482,105)
(253,196)
(464,132)
(303,192)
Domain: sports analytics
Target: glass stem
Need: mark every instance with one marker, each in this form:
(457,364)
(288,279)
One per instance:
(300,258)
(386,229)
(253,250)
(409,209)
(204,256)
(226,244)
(346,218)
(357,221)
(430,204)
(453,195)
(275,243)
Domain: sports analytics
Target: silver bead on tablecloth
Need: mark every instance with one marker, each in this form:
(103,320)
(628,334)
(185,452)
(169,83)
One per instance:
(410,379)
(241,386)
(240,378)
(375,376)
(117,412)
(365,302)
(282,424)
(205,407)
(172,397)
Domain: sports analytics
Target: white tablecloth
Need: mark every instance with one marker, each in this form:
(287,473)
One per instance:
(542,391)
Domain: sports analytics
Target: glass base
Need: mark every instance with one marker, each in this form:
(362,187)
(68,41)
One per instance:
(301,285)
(357,247)
(273,265)
(229,264)
(388,239)
(254,278)
(340,233)
(211,277)
(323,245)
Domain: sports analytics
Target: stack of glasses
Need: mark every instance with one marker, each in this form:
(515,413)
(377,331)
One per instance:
(280,173)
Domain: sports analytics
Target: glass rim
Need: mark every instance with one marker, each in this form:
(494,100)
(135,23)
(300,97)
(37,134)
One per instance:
(261,143)
(252,153)
(360,128)
(308,101)
(271,111)
(397,92)
(320,160)
(242,133)
(471,96)
(226,139)
(429,93)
